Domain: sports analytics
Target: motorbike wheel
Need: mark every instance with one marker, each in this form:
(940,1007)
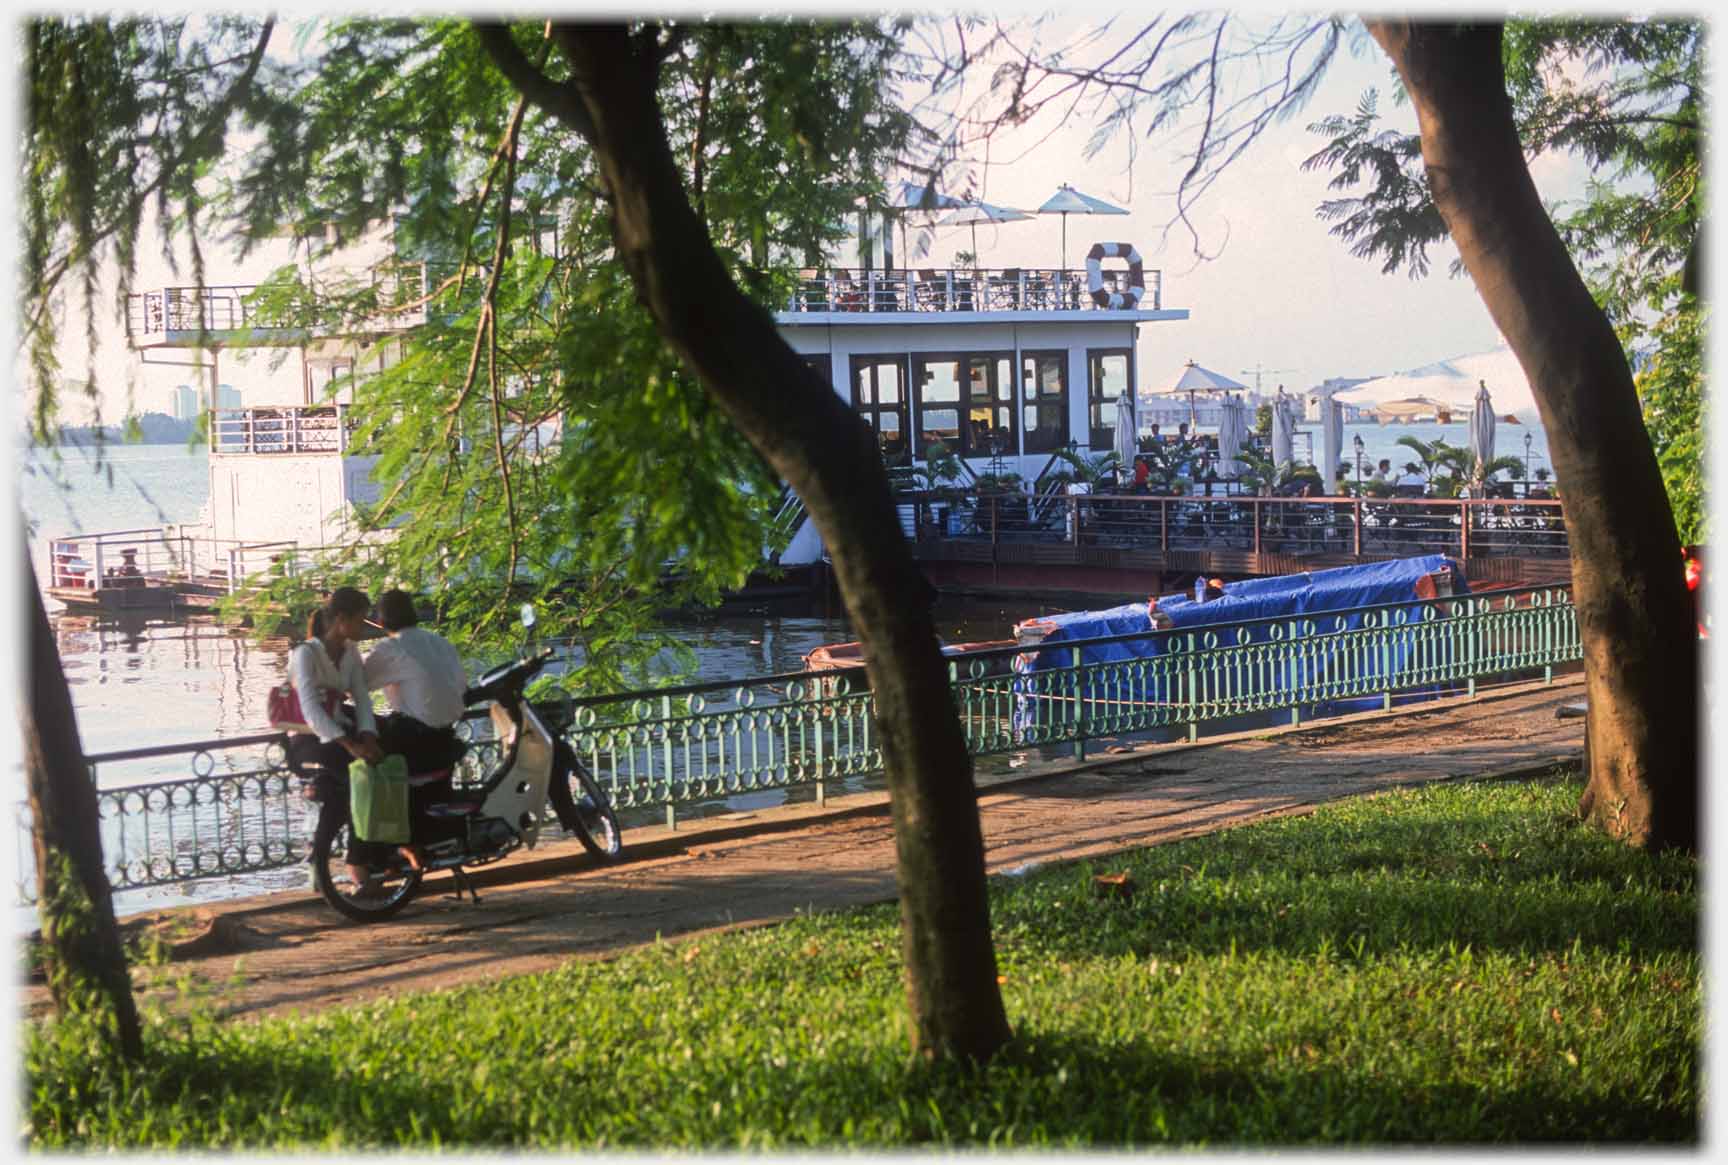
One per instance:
(381,896)
(583,807)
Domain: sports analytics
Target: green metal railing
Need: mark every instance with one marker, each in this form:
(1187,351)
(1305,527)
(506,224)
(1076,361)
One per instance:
(239,812)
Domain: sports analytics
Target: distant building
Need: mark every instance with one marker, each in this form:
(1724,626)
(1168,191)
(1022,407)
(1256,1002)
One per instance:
(227,397)
(185,402)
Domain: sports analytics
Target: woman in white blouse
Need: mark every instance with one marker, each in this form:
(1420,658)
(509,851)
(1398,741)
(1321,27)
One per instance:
(328,663)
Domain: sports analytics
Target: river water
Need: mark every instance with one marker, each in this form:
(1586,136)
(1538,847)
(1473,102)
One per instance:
(141,680)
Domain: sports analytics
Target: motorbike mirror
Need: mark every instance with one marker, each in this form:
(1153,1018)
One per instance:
(528,617)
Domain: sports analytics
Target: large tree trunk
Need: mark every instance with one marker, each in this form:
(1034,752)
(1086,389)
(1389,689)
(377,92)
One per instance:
(81,943)
(828,455)
(1640,653)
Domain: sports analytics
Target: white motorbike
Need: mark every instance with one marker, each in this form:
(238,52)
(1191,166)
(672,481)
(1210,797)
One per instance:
(480,824)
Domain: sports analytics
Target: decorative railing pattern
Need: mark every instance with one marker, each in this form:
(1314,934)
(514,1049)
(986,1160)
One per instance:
(395,292)
(961,290)
(1461,527)
(239,811)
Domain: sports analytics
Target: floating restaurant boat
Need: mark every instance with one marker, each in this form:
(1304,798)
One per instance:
(1004,368)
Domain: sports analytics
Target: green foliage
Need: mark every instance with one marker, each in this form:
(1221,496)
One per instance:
(1454,963)
(535,439)
(1671,389)
(122,116)
(1090,469)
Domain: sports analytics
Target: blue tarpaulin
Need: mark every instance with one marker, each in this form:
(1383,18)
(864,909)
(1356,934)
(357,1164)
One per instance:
(1340,592)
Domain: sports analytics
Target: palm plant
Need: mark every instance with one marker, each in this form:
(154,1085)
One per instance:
(1090,470)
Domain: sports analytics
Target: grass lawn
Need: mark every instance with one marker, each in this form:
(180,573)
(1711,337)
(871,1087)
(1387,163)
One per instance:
(1458,963)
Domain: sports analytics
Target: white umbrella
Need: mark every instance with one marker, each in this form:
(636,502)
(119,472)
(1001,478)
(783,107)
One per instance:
(1232,431)
(976,212)
(1331,442)
(909,198)
(1283,431)
(1067,201)
(1195,379)
(1127,441)
(1482,429)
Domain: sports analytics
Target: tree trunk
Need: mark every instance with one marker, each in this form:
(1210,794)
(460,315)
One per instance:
(86,963)
(829,457)
(1640,650)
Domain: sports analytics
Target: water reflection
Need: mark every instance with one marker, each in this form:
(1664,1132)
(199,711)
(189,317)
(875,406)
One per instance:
(139,679)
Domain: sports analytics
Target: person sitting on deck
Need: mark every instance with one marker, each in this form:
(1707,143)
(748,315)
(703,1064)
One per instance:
(1381,471)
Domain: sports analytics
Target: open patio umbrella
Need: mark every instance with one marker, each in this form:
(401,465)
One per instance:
(973,213)
(1482,430)
(1195,379)
(1067,201)
(915,198)
(1127,439)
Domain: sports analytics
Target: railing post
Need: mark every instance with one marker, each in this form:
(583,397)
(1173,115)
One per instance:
(96,581)
(294,430)
(666,757)
(1356,519)
(1464,532)
(1164,526)
(1079,707)
(1255,509)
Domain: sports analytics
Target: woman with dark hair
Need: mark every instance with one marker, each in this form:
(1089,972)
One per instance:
(325,665)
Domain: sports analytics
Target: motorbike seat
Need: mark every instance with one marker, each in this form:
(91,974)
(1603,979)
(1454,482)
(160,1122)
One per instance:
(428,778)
(453,809)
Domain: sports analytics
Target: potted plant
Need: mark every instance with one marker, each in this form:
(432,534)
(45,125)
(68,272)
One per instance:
(938,477)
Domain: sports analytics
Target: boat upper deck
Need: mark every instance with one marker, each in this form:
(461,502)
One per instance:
(964,294)
(381,300)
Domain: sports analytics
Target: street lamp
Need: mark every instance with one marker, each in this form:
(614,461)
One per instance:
(1527,461)
(1357,441)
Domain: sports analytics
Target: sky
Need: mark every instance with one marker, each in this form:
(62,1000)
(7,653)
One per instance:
(1282,298)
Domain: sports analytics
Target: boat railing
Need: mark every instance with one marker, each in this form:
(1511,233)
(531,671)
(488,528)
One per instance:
(394,293)
(117,558)
(1222,520)
(960,289)
(214,808)
(281,429)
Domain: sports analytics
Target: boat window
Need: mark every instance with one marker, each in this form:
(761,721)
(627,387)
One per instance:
(1108,375)
(966,401)
(879,395)
(1045,413)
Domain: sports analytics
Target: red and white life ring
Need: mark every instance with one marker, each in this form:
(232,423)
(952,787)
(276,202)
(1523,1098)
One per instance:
(1095,275)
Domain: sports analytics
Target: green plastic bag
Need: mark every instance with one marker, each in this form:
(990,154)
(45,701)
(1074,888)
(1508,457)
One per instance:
(378,800)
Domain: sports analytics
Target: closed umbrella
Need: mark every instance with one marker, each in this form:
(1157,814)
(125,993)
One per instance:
(1331,441)
(1283,431)
(1067,201)
(1127,440)
(1232,431)
(1482,430)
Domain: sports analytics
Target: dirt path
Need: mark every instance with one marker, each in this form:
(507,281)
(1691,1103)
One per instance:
(288,951)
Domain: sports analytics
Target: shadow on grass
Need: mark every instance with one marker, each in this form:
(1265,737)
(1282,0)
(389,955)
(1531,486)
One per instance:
(1045,1091)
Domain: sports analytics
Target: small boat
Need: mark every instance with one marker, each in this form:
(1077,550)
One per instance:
(837,661)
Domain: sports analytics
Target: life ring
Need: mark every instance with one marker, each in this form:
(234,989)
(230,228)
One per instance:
(1095,275)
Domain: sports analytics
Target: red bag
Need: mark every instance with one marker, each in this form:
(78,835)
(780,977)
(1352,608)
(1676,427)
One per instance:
(283,708)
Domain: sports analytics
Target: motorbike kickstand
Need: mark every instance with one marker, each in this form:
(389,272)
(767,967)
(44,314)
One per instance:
(463,882)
